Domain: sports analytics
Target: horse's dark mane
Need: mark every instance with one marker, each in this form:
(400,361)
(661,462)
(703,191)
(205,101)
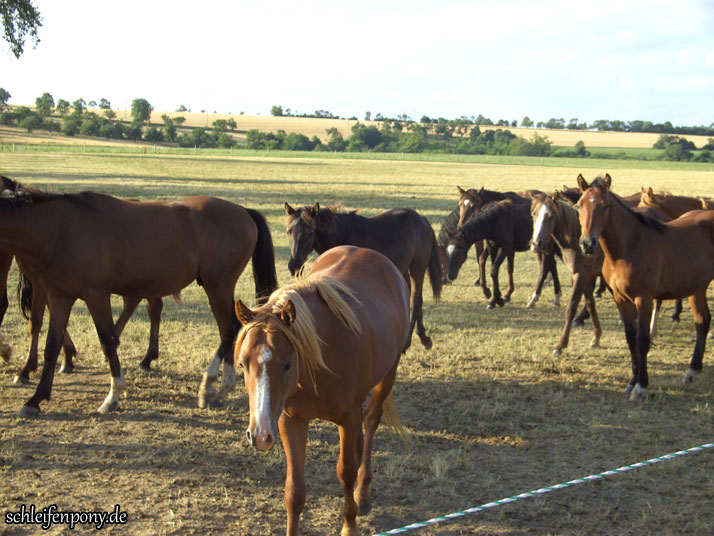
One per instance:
(15,195)
(448,228)
(648,221)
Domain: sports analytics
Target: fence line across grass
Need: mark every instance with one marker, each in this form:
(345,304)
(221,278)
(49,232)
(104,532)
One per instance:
(542,491)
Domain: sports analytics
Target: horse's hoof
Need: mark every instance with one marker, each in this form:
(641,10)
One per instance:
(487,293)
(146,367)
(426,342)
(66,370)
(629,389)
(363,509)
(675,320)
(108,407)
(506,299)
(21,380)
(490,306)
(6,353)
(638,393)
(689,376)
(598,295)
(28,412)
(578,323)
(557,352)
(594,345)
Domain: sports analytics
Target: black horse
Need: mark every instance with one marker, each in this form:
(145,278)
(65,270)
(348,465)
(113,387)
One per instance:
(508,226)
(401,234)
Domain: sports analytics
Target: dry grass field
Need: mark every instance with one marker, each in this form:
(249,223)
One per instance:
(491,412)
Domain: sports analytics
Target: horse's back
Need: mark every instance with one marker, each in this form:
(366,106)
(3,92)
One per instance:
(383,310)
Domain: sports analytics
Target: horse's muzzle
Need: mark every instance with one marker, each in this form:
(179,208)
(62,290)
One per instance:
(294,265)
(588,244)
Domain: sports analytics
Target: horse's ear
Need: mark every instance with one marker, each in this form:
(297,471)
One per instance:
(556,196)
(608,180)
(461,190)
(287,314)
(289,210)
(315,208)
(582,183)
(480,192)
(650,192)
(243,313)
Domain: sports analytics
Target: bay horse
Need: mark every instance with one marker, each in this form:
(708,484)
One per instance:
(646,259)
(509,227)
(90,245)
(315,350)
(556,219)
(401,234)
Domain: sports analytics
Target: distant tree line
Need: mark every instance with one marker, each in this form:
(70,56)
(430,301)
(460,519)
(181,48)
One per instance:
(79,118)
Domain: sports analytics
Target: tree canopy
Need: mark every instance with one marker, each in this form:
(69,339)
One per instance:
(20,19)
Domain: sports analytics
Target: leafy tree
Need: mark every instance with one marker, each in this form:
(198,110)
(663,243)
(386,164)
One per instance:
(180,120)
(526,122)
(231,124)
(153,135)
(104,104)
(368,116)
(580,149)
(62,107)
(335,140)
(110,114)
(92,104)
(141,110)
(276,111)
(31,122)
(169,128)
(182,108)
(78,107)
(134,131)
(44,105)
(4,97)
(19,18)
(70,127)
(710,145)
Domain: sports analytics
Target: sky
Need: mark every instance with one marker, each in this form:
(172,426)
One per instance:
(505,59)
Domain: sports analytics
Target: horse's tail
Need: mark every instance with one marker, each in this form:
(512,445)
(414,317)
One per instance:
(391,417)
(264,275)
(436,275)
(24,295)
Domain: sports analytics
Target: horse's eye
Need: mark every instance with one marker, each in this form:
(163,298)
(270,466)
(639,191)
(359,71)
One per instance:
(288,366)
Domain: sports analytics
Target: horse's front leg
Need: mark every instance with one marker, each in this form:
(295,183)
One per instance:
(578,287)
(496,298)
(628,315)
(644,307)
(487,251)
(154,307)
(347,467)
(509,268)
(702,319)
(531,303)
(293,434)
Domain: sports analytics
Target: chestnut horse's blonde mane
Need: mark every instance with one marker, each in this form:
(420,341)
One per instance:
(301,332)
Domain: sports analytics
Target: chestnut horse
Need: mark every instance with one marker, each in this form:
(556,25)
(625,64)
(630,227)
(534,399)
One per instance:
(89,245)
(315,351)
(646,259)
(555,219)
(401,234)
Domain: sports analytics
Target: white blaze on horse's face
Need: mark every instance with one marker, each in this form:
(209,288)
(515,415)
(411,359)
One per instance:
(542,228)
(450,249)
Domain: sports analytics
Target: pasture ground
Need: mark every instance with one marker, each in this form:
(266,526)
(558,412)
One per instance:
(491,412)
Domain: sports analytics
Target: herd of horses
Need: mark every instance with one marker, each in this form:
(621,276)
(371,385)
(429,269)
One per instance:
(323,344)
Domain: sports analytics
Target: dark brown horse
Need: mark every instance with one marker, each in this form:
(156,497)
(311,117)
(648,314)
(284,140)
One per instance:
(401,234)
(88,246)
(555,219)
(315,351)
(646,259)
(470,203)
(508,226)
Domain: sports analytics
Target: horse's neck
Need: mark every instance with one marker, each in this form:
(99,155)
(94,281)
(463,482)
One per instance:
(622,233)
(567,232)
(332,235)
(22,235)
